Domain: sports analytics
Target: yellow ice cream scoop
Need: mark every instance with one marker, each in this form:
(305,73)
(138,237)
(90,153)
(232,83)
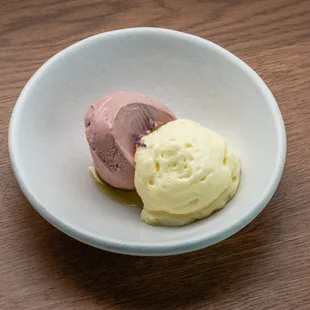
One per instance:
(184,173)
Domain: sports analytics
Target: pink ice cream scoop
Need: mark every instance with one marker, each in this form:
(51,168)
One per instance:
(111,126)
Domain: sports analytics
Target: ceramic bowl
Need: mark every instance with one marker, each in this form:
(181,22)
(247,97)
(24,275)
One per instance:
(194,77)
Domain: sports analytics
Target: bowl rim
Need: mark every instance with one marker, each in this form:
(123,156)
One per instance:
(168,247)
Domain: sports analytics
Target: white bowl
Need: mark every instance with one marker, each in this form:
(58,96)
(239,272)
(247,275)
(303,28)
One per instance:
(197,79)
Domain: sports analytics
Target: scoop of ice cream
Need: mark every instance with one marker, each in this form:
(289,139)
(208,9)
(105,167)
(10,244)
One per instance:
(111,125)
(185,173)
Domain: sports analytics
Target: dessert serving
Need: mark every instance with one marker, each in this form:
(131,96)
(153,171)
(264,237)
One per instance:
(182,171)
(148,163)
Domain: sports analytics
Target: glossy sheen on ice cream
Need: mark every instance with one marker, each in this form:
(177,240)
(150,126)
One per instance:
(111,125)
(185,173)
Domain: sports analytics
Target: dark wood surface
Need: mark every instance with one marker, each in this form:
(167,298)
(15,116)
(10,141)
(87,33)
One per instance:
(265,266)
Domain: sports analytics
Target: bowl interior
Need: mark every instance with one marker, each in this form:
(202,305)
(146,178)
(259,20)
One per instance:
(196,79)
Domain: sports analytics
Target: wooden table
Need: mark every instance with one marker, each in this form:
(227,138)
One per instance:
(265,266)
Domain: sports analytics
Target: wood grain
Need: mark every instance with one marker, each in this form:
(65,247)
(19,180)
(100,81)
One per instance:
(265,266)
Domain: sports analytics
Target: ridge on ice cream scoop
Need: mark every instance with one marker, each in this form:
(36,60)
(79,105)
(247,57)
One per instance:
(111,126)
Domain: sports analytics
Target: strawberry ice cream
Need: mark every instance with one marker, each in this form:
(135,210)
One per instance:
(112,124)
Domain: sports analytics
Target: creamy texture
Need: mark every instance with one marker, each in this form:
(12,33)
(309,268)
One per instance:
(185,173)
(111,124)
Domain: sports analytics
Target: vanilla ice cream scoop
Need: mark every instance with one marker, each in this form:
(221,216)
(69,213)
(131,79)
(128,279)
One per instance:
(184,173)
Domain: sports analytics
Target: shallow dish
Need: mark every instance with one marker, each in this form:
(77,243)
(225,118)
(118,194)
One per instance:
(197,79)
